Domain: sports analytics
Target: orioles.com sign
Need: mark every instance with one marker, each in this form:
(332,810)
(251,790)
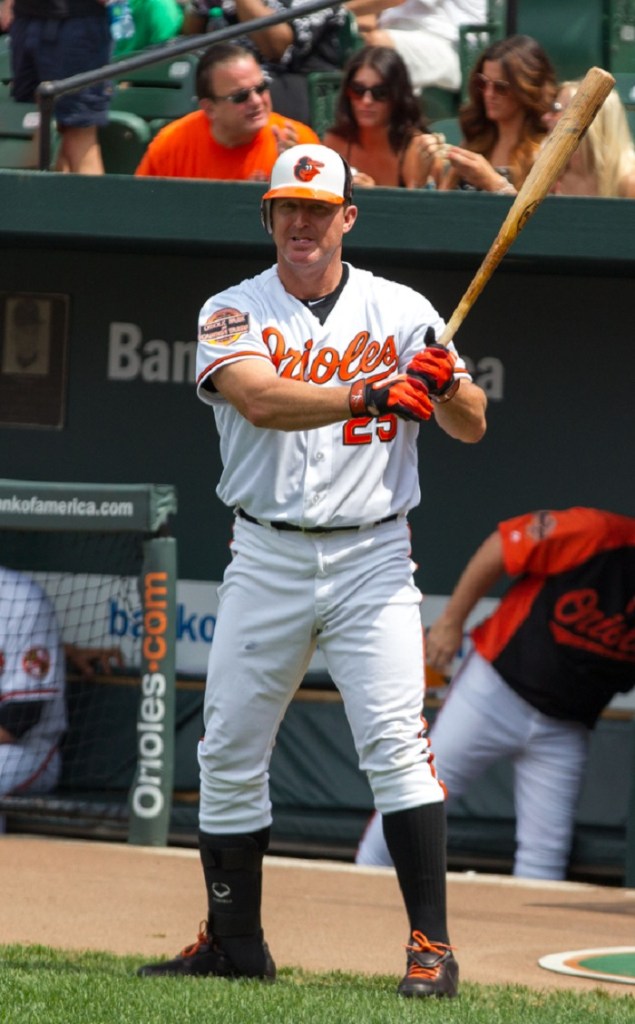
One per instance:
(148,798)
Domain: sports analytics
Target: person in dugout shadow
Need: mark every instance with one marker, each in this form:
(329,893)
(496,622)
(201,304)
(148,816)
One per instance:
(544,665)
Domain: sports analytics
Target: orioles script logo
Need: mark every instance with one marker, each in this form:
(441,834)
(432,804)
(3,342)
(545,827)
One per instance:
(306,168)
(580,622)
(361,356)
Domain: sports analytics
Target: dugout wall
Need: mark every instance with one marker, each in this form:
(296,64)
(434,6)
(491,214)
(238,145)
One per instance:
(120,267)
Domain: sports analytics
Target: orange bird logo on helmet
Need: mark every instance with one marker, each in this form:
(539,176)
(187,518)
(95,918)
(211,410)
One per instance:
(306,168)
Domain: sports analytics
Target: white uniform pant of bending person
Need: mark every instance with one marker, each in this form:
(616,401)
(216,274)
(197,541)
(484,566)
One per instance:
(482,721)
(33,767)
(282,592)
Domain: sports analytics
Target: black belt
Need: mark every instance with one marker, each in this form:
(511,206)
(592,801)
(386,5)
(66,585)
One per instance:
(313,529)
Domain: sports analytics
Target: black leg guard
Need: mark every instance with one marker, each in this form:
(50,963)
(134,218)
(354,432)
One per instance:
(416,839)
(232,865)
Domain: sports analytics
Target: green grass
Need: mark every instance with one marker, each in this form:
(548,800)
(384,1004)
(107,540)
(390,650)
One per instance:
(39,985)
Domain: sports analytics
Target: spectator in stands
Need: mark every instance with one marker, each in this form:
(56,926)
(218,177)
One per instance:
(544,665)
(155,22)
(6,12)
(32,687)
(604,162)
(511,88)
(287,51)
(234,136)
(424,32)
(379,128)
(54,41)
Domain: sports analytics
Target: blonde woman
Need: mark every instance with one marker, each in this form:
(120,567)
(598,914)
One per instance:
(604,162)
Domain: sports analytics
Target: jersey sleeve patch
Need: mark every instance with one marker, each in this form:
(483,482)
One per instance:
(36,662)
(224,326)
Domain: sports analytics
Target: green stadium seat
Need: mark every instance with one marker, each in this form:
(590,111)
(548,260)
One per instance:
(5,60)
(625,85)
(123,142)
(158,93)
(571,32)
(450,127)
(19,123)
(577,34)
(350,38)
(620,42)
(324,87)
(437,103)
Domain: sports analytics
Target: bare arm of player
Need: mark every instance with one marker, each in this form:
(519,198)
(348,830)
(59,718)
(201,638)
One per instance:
(483,570)
(276,403)
(463,418)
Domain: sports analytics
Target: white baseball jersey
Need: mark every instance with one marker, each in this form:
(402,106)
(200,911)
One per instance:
(31,657)
(346,474)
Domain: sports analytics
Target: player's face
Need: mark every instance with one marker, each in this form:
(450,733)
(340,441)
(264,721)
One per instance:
(238,107)
(308,233)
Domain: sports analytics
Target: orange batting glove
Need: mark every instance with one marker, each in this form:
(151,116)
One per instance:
(435,367)
(404,396)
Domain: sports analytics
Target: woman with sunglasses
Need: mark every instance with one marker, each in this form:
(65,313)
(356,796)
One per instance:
(511,87)
(604,162)
(379,127)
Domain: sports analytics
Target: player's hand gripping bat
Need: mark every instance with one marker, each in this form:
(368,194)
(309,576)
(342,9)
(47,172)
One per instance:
(553,157)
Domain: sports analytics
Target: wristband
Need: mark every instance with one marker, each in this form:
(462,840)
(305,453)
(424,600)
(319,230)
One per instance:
(356,399)
(447,395)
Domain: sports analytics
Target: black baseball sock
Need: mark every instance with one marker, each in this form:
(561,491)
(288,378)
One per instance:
(232,865)
(416,839)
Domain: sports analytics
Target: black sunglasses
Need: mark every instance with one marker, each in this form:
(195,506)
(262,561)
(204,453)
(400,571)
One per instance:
(499,85)
(242,95)
(378,92)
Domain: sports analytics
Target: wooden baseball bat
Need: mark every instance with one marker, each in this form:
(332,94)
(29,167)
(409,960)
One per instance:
(553,157)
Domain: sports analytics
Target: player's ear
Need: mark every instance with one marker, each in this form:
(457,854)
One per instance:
(350,216)
(265,216)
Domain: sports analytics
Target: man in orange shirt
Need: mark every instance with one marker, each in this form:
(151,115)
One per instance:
(235,136)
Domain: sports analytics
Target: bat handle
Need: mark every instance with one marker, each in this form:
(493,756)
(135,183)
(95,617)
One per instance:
(450,328)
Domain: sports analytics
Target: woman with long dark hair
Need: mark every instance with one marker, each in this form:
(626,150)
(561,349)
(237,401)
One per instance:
(379,127)
(511,88)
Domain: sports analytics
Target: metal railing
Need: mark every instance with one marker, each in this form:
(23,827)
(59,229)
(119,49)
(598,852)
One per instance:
(47,92)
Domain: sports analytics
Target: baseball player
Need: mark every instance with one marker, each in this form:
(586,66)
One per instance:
(319,375)
(544,665)
(32,674)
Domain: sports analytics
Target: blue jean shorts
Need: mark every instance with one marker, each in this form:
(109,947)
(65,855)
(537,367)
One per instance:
(49,49)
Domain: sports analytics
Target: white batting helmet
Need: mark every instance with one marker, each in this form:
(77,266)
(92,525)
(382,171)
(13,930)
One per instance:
(308,172)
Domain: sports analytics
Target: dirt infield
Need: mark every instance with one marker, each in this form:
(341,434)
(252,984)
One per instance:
(320,915)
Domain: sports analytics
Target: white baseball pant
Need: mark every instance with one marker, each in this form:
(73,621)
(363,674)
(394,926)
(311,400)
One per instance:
(281,594)
(482,721)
